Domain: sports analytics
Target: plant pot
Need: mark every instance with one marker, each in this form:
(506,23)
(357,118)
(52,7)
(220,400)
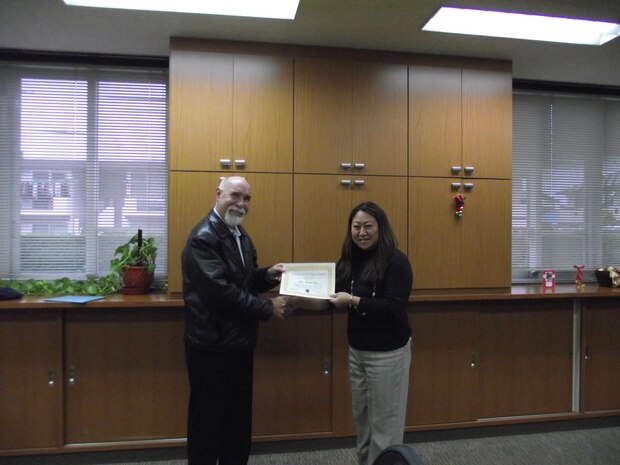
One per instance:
(136,280)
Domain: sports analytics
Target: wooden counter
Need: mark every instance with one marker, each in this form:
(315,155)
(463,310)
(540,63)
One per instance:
(111,374)
(517,292)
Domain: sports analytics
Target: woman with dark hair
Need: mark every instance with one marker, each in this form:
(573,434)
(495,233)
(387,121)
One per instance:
(373,282)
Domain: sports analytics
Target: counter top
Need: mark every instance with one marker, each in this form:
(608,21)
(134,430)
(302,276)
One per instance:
(516,292)
(161,300)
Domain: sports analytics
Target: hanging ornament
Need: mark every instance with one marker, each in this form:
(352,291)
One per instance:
(459,205)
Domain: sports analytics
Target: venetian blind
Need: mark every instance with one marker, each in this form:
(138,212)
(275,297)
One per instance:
(82,167)
(566,184)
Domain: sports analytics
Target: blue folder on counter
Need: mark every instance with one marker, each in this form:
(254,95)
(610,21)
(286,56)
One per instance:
(75,299)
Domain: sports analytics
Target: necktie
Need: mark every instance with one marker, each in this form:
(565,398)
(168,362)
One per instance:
(237,234)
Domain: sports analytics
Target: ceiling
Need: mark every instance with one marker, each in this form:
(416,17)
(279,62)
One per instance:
(50,25)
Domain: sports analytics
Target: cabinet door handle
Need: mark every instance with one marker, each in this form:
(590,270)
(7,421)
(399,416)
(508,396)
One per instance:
(327,367)
(468,185)
(345,182)
(472,361)
(225,162)
(345,166)
(359,166)
(455,169)
(71,375)
(240,163)
(51,377)
(586,355)
(360,182)
(456,185)
(469,169)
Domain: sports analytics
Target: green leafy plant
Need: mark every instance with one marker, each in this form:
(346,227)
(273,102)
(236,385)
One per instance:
(135,252)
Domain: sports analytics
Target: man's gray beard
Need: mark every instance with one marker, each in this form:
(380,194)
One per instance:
(233,220)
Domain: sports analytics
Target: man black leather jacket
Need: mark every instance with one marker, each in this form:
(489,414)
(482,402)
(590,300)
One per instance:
(223,310)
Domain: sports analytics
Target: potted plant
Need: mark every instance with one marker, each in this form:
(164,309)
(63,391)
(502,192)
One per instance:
(134,264)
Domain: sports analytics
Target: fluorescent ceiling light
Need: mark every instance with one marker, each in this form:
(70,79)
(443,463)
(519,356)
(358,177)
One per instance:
(521,26)
(277,9)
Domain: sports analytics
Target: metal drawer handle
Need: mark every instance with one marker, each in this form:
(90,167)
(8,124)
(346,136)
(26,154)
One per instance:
(239,163)
(359,166)
(469,185)
(456,169)
(345,182)
(469,169)
(456,185)
(225,162)
(360,182)
(345,166)
(71,375)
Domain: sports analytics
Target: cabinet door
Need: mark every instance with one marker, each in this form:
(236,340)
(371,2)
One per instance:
(200,109)
(443,380)
(487,231)
(472,251)
(31,380)
(322,115)
(322,208)
(434,121)
(292,376)
(435,245)
(263,114)
(525,358)
(487,122)
(350,117)
(600,356)
(379,118)
(230,112)
(269,221)
(125,375)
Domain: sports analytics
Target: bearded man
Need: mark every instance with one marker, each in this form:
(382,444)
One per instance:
(221,287)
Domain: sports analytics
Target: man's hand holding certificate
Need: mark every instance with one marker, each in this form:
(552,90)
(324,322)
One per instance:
(312,280)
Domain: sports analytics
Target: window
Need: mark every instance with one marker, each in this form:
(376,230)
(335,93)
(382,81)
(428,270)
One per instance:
(566,184)
(82,166)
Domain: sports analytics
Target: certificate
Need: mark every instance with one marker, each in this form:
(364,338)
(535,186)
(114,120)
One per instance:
(313,280)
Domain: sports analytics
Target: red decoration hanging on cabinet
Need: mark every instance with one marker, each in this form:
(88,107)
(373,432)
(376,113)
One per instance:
(459,205)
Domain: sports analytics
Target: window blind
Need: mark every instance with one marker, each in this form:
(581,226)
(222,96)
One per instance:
(566,184)
(82,167)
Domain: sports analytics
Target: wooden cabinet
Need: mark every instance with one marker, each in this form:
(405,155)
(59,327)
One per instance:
(435,114)
(487,122)
(350,117)
(484,360)
(525,358)
(460,121)
(322,206)
(460,143)
(292,376)
(269,221)
(472,251)
(600,356)
(229,112)
(125,375)
(31,384)
(444,375)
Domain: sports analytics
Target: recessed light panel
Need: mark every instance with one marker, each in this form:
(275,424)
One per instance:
(522,26)
(275,9)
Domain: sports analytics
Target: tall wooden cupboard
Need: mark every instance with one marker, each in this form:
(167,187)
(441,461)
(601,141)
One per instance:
(230,113)
(460,126)
(350,147)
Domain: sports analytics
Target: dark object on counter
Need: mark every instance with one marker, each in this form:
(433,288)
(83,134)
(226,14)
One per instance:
(603,278)
(8,293)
